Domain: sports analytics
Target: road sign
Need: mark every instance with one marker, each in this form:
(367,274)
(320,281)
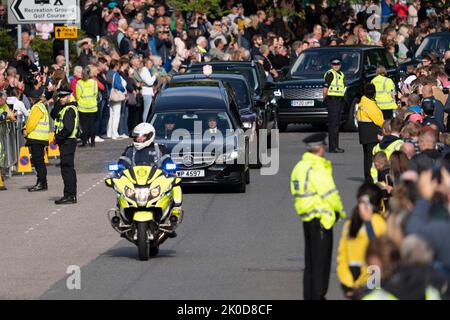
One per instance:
(66,32)
(36,11)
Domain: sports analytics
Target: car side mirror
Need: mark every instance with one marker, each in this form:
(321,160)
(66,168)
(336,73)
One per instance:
(284,71)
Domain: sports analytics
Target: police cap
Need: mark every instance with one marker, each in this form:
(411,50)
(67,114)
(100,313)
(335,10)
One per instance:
(335,61)
(63,92)
(315,140)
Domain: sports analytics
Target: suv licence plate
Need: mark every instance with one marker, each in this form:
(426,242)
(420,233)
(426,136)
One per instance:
(302,103)
(190,173)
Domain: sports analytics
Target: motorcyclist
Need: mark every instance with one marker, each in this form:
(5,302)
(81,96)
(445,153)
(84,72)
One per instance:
(144,151)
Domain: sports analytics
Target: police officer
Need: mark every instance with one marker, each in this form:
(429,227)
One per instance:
(37,132)
(144,151)
(333,93)
(66,129)
(319,205)
(86,94)
(385,96)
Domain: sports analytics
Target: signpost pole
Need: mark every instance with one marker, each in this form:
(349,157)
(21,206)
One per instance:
(66,55)
(19,36)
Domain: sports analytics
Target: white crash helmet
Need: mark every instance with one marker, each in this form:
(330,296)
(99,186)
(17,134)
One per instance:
(143,129)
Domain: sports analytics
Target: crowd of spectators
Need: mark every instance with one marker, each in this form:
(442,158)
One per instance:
(401,221)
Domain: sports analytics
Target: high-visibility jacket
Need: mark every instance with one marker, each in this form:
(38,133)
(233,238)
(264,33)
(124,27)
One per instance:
(337,87)
(42,129)
(56,121)
(314,190)
(385,87)
(86,94)
(352,251)
(60,124)
(389,150)
(431,293)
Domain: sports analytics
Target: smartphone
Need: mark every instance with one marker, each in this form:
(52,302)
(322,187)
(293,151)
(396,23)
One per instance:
(437,171)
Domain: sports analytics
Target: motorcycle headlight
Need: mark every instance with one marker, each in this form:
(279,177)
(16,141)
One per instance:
(142,196)
(130,193)
(155,192)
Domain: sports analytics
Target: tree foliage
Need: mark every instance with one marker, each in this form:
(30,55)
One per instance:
(8,45)
(209,7)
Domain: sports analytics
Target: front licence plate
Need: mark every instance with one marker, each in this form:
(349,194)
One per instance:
(302,103)
(190,173)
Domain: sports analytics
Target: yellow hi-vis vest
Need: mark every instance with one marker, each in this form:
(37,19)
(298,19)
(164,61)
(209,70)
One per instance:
(337,87)
(394,146)
(384,87)
(60,124)
(87,92)
(314,190)
(431,293)
(42,130)
(389,150)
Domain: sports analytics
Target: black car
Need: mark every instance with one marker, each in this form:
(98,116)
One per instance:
(300,94)
(210,147)
(262,89)
(251,120)
(438,43)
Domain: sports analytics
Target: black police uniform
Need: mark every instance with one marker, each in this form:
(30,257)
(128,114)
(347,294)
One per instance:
(151,155)
(335,106)
(67,146)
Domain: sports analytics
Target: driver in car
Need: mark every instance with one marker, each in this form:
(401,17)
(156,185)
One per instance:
(169,126)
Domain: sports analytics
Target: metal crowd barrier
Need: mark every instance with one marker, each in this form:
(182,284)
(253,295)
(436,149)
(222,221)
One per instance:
(11,140)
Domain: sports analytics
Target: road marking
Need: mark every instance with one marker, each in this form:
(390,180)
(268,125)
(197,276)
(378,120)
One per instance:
(64,206)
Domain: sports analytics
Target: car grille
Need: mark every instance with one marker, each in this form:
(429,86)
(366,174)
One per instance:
(302,93)
(194,160)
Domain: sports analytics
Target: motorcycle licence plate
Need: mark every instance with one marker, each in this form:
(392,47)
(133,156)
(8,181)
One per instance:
(302,103)
(190,173)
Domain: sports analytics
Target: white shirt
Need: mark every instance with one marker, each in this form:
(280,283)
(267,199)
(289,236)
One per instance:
(149,80)
(18,106)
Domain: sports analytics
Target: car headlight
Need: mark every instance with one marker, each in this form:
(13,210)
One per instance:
(229,156)
(130,193)
(247,125)
(277,93)
(155,192)
(142,195)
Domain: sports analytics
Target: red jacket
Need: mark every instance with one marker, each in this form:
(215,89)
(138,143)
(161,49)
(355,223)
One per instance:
(401,10)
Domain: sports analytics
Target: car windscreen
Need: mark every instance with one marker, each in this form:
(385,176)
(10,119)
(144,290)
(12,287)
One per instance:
(318,62)
(437,44)
(240,91)
(248,72)
(166,122)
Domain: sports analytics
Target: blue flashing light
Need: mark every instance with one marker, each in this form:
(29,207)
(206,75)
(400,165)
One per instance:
(113,167)
(170,166)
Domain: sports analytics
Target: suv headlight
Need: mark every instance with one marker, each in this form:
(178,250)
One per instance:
(277,93)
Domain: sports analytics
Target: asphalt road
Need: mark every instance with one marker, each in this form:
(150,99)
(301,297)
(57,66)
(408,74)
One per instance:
(229,246)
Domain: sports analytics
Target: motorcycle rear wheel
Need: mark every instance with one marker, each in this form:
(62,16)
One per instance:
(142,241)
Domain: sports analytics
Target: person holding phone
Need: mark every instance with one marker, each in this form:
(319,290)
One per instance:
(365,225)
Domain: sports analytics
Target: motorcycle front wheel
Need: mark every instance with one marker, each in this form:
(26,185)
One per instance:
(142,241)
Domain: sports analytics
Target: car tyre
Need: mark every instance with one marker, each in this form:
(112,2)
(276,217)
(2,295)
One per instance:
(351,125)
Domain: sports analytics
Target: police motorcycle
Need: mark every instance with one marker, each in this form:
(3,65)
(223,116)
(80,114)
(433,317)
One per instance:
(148,203)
